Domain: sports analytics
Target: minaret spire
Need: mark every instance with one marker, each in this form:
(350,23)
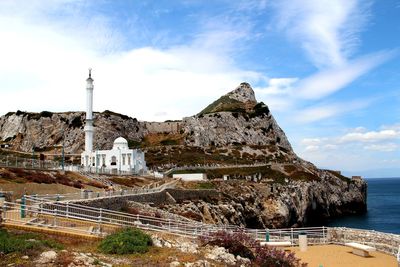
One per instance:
(89,114)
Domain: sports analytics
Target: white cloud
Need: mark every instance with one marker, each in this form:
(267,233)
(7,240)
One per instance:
(371,136)
(277,86)
(44,68)
(331,80)
(382,147)
(324,111)
(327,30)
(311,148)
(311,141)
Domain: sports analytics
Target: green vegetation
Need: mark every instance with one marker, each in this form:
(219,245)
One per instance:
(134,143)
(10,242)
(126,241)
(169,142)
(241,244)
(259,110)
(76,122)
(205,185)
(108,113)
(341,177)
(224,103)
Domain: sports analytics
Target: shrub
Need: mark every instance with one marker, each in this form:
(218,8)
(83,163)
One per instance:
(126,241)
(10,242)
(76,122)
(269,257)
(236,243)
(241,244)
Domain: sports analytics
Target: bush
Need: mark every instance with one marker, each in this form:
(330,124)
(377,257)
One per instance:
(266,256)
(236,243)
(126,241)
(245,246)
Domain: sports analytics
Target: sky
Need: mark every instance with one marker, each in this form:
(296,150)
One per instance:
(328,69)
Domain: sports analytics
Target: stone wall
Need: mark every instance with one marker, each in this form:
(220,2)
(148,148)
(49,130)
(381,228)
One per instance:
(116,202)
(387,243)
(163,127)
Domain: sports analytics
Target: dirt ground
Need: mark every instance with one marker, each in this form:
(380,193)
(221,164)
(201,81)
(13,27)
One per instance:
(35,188)
(341,256)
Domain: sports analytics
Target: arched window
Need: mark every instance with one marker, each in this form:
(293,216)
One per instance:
(113,160)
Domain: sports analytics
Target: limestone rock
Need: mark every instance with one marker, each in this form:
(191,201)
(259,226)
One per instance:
(47,257)
(220,254)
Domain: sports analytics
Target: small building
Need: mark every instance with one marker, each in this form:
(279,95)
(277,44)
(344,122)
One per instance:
(191,176)
(119,159)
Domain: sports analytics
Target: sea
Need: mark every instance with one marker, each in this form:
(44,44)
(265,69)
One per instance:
(383,208)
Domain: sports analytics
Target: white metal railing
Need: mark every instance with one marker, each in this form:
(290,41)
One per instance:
(84,194)
(20,162)
(103,218)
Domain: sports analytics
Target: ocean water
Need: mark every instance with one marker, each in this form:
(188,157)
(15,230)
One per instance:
(383,208)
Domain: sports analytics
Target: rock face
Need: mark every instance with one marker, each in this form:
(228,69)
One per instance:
(234,129)
(290,204)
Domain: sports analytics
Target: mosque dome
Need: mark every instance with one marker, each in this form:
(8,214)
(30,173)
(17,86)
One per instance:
(120,143)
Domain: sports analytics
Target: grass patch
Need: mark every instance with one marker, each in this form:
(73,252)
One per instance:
(341,177)
(126,241)
(224,103)
(10,242)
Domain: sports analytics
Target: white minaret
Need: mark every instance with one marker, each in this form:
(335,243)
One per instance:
(89,114)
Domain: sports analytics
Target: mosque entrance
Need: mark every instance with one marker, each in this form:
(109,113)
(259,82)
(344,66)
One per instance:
(113,160)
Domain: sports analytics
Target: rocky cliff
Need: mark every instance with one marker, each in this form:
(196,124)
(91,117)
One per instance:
(280,190)
(276,205)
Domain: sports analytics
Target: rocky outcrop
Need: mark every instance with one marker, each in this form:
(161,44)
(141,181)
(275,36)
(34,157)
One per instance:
(290,204)
(234,129)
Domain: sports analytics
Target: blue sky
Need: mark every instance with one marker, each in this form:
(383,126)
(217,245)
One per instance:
(329,70)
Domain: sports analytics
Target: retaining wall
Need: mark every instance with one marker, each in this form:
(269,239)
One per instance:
(116,202)
(387,243)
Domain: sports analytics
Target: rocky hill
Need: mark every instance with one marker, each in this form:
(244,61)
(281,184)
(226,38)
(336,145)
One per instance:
(235,129)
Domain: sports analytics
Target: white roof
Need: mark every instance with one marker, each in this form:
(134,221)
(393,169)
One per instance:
(120,143)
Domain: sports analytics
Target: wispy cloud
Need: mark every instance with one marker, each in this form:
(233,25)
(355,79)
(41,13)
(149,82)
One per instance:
(382,147)
(331,80)
(327,30)
(386,140)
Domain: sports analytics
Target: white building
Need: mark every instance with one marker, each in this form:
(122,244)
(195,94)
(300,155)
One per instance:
(117,160)
(191,176)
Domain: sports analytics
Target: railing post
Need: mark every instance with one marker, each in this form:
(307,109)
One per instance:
(4,212)
(55,217)
(23,202)
(291,235)
(67,210)
(100,218)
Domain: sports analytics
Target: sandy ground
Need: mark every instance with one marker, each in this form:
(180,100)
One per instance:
(341,256)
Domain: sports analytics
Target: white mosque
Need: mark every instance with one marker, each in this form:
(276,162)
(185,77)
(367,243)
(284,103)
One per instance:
(120,159)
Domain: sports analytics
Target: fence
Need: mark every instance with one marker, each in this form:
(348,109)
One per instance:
(85,194)
(77,218)
(18,162)
(59,214)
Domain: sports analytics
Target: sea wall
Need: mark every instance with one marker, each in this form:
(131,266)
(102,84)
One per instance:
(384,242)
